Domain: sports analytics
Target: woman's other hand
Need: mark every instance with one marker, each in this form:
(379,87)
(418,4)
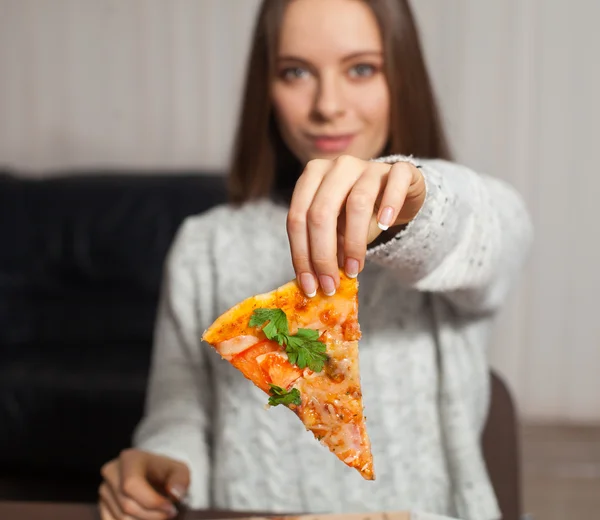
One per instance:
(142,486)
(339,207)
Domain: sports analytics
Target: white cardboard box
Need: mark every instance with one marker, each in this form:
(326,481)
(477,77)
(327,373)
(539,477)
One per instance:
(397,515)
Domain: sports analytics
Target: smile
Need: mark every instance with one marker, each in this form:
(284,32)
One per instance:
(332,143)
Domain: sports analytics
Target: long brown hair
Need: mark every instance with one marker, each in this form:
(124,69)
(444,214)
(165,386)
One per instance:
(262,164)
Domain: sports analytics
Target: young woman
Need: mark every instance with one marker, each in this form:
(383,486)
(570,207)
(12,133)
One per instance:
(341,161)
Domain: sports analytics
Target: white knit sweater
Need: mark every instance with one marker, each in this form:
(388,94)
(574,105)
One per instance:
(426,302)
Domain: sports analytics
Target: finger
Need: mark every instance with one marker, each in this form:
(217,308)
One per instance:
(135,482)
(134,510)
(394,195)
(105,513)
(110,473)
(374,229)
(297,229)
(341,226)
(121,504)
(178,480)
(323,216)
(360,206)
(109,502)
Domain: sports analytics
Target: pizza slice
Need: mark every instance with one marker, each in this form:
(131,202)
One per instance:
(303,353)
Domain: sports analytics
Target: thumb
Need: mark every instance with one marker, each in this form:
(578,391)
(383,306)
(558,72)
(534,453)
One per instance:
(374,230)
(177,480)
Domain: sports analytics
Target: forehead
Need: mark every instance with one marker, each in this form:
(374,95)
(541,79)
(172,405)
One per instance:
(321,29)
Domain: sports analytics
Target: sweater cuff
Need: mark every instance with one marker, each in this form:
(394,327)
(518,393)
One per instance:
(391,159)
(423,243)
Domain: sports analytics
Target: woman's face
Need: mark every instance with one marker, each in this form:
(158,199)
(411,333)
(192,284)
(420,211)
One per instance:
(329,92)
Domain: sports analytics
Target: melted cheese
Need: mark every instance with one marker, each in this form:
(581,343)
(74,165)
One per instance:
(236,345)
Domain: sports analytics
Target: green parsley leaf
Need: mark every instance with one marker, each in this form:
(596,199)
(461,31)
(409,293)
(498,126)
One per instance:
(277,327)
(308,334)
(281,396)
(303,348)
(306,352)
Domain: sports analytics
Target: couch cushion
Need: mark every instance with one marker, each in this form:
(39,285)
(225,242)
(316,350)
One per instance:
(69,407)
(81,256)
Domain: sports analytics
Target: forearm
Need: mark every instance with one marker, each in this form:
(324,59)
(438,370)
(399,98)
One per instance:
(468,240)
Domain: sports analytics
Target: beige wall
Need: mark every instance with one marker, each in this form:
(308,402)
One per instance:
(126,82)
(520,82)
(155,83)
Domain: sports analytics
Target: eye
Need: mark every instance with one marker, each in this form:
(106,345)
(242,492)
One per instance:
(362,70)
(293,73)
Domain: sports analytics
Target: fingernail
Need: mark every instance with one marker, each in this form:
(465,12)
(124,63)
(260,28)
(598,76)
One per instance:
(327,284)
(177,492)
(385,219)
(308,283)
(352,266)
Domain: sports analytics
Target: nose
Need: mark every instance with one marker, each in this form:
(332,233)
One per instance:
(329,99)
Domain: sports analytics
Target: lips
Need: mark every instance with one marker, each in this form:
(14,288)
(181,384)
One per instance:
(332,143)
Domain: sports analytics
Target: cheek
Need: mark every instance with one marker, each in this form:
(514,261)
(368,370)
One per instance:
(288,108)
(375,107)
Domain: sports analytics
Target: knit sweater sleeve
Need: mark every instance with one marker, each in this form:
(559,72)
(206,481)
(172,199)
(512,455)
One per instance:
(468,241)
(176,419)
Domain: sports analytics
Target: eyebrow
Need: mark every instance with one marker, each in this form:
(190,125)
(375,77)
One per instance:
(348,57)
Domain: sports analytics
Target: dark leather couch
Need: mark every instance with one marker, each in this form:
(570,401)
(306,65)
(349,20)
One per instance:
(80,266)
